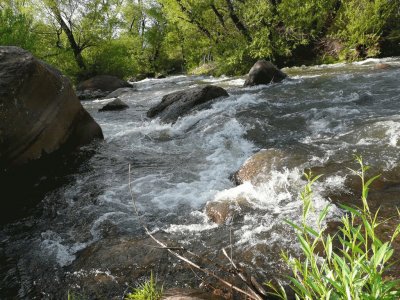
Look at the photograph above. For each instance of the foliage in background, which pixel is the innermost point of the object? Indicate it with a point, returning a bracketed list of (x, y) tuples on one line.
[(16, 29), (360, 26), (354, 270), (126, 38), (146, 291)]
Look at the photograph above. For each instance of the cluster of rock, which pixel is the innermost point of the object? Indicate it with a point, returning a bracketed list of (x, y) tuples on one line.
[(174, 105), (40, 113), (177, 104)]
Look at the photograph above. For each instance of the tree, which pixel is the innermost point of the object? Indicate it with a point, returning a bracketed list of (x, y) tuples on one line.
[(86, 23), (16, 26)]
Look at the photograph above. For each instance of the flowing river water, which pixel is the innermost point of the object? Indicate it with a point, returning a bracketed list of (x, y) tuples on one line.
[(84, 236)]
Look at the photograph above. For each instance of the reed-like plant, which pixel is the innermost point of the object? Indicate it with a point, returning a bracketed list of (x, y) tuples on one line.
[(355, 268), (146, 291)]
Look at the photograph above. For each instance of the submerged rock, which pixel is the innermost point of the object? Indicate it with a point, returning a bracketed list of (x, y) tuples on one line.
[(121, 91), (382, 66), (99, 86), (384, 191), (364, 99), (179, 103), (116, 104), (39, 111), (264, 72), (91, 94), (226, 210), (112, 265)]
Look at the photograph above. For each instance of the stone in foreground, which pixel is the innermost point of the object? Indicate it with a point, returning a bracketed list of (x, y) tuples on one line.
[(39, 111), (264, 72), (179, 103)]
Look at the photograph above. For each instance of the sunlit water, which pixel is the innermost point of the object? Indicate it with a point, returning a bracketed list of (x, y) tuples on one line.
[(321, 114)]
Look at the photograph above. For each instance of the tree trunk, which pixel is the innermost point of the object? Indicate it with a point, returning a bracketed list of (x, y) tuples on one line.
[(71, 39), (218, 14), (238, 24)]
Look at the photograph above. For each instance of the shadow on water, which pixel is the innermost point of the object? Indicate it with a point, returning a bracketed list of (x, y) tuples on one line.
[(23, 188)]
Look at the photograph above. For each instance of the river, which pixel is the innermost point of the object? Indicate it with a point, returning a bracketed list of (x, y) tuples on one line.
[(84, 236)]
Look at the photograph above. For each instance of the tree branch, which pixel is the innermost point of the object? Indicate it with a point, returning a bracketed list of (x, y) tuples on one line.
[(252, 295)]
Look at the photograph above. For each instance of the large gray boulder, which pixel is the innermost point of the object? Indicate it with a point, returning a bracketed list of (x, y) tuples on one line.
[(179, 103), (264, 72), (100, 86), (39, 111)]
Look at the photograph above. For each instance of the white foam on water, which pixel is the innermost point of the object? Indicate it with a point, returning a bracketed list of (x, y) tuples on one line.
[(93, 272), (328, 120), (224, 151), (380, 133), (143, 128), (273, 201), (53, 245), (190, 228), (103, 100), (306, 76), (111, 217), (393, 133), (219, 150), (235, 82), (213, 79), (370, 61), (318, 67)]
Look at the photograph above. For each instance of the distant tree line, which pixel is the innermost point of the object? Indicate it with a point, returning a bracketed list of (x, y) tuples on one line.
[(130, 37)]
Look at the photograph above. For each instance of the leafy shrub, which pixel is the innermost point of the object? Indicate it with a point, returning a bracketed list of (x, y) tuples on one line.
[(16, 29), (113, 57), (360, 25), (353, 271)]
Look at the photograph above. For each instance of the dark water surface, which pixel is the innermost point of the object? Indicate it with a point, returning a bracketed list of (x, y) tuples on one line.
[(84, 236)]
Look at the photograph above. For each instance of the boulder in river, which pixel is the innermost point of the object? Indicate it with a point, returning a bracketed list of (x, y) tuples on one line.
[(179, 103), (264, 72), (39, 111), (99, 86), (260, 165), (116, 104)]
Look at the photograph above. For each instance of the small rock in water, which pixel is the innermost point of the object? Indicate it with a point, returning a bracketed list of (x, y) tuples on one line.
[(226, 210), (120, 91), (116, 104), (382, 66)]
